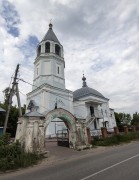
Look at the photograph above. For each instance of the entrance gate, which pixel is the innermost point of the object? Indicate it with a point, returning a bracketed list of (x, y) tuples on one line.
[(63, 138), (32, 126)]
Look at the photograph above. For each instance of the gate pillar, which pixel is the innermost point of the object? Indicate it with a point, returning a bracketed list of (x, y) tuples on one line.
[(88, 135), (30, 132)]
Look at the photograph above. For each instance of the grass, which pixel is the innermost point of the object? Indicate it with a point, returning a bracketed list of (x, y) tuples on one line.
[(12, 156)]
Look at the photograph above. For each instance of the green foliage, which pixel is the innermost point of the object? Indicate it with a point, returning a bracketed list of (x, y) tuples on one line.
[(4, 140), (13, 118), (135, 120), (6, 94), (12, 155), (116, 139), (122, 119)]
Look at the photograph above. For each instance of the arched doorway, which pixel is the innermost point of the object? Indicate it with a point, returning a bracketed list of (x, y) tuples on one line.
[(70, 122), (32, 126)]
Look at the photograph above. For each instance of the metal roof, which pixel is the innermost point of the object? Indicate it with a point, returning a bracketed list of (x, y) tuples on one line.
[(86, 91), (50, 35), (34, 114), (2, 110)]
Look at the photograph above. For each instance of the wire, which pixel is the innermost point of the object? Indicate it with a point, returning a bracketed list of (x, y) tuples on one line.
[(46, 91), (39, 105), (46, 108), (25, 96), (59, 96), (22, 93)]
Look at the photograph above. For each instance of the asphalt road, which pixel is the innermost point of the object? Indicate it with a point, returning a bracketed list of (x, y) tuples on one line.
[(118, 163)]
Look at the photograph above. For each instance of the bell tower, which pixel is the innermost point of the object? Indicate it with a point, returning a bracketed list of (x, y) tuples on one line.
[(49, 63), (48, 90)]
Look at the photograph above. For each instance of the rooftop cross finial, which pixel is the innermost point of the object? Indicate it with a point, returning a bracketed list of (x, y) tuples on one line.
[(50, 24), (84, 81)]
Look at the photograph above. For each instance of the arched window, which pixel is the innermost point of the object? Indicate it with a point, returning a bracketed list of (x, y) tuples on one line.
[(58, 70), (57, 49), (47, 47), (39, 50)]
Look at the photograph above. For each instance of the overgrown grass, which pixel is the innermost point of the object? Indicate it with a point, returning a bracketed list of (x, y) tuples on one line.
[(12, 156), (116, 139)]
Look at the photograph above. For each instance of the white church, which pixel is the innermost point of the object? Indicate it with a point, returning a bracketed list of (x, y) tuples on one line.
[(49, 92)]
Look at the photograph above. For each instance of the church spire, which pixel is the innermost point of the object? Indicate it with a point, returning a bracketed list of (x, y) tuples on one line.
[(50, 35), (84, 81), (50, 26)]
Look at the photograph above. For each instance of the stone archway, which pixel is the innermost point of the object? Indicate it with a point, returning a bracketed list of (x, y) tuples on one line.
[(31, 130), (69, 120)]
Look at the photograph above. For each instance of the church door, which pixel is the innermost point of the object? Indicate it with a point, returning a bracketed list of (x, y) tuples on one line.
[(91, 110)]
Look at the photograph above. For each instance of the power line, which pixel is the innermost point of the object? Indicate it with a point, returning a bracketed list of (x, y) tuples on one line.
[(39, 105), (22, 93), (46, 91), (45, 107), (47, 99), (59, 95)]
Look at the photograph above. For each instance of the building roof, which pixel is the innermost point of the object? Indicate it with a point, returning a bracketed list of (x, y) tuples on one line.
[(50, 35), (86, 91), (34, 114), (2, 110)]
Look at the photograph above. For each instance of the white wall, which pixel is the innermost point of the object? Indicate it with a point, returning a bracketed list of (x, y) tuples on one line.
[(47, 96), (82, 111)]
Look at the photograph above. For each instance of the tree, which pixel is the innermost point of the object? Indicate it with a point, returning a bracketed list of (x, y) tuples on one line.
[(126, 119), (122, 119), (13, 118), (6, 94), (135, 120), (118, 119)]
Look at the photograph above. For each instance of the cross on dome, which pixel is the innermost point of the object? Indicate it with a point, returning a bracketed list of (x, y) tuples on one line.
[(50, 25), (84, 81)]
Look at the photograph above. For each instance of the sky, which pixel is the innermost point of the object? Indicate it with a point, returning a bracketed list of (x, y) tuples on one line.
[(100, 39)]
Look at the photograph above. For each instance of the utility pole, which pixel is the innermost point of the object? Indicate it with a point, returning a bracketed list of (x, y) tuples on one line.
[(13, 89), (18, 100)]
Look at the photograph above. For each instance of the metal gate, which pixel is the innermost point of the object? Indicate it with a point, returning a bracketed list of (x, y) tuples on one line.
[(63, 138)]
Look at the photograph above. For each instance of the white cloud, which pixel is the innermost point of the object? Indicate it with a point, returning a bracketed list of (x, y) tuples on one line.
[(99, 38)]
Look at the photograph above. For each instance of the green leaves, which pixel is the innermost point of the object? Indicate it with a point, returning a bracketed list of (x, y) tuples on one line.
[(13, 118), (116, 139), (12, 156), (123, 119), (135, 120)]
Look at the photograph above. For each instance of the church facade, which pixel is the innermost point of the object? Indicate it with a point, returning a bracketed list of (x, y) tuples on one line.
[(49, 92)]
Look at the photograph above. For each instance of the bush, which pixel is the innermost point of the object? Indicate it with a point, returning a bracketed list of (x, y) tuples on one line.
[(5, 139), (116, 139), (12, 156)]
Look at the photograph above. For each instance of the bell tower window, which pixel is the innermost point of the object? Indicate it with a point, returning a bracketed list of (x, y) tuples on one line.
[(58, 70), (37, 71), (39, 50), (57, 49), (47, 47)]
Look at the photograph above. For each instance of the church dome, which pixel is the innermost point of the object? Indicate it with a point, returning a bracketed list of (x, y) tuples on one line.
[(86, 91)]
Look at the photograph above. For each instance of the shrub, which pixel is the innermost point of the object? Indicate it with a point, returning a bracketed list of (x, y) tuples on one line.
[(5, 139), (116, 139), (12, 156)]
